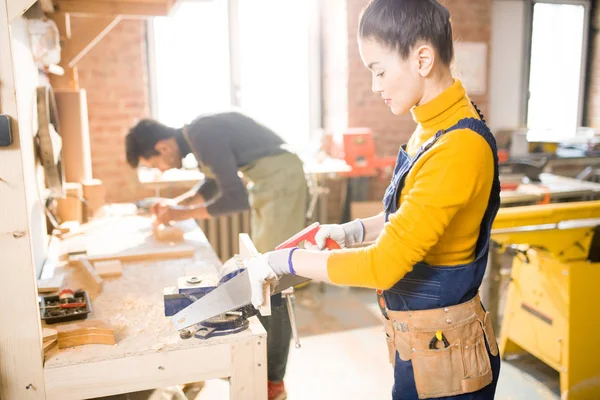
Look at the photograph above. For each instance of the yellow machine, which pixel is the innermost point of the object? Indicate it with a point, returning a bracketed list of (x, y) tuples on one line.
[(553, 307)]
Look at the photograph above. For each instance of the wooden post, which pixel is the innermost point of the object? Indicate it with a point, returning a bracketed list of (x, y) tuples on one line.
[(21, 353)]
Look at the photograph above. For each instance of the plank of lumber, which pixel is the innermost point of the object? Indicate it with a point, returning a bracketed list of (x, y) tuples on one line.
[(49, 334), (131, 239), (49, 345), (108, 268), (74, 130), (146, 254), (247, 251), (16, 8), (116, 7), (50, 285), (94, 193), (94, 280), (20, 207), (86, 332), (168, 233), (69, 209)]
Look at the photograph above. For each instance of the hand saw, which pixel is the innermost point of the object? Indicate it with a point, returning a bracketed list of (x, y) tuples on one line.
[(236, 292)]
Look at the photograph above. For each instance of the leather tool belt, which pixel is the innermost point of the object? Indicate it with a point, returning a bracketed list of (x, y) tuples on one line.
[(447, 347)]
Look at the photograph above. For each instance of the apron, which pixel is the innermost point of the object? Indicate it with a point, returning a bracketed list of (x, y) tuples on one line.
[(277, 192), (429, 287)]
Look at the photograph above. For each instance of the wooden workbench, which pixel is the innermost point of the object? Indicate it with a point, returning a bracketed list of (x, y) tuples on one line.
[(149, 352)]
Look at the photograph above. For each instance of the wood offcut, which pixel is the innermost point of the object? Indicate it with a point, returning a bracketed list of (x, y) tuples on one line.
[(86, 332), (93, 278), (109, 268), (168, 233)]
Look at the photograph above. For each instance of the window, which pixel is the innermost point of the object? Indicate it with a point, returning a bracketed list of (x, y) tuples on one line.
[(556, 74), (261, 56), (190, 54)]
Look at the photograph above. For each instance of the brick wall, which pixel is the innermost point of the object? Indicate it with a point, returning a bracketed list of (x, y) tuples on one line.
[(471, 22), (114, 74)]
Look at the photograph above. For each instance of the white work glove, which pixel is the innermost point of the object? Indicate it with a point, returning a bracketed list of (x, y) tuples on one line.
[(346, 235), (266, 269)]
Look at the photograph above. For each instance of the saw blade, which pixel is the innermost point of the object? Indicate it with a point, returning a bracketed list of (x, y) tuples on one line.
[(231, 295)]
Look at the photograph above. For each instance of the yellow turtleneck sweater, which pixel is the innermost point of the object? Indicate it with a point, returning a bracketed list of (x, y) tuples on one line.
[(441, 205)]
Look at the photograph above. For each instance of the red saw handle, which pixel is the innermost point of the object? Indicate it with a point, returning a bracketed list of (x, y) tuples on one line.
[(309, 235)]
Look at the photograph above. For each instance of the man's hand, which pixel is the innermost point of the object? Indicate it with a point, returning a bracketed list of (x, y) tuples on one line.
[(166, 214), (160, 204)]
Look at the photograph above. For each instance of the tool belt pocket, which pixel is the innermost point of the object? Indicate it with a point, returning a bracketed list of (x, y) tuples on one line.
[(451, 361), (397, 340)]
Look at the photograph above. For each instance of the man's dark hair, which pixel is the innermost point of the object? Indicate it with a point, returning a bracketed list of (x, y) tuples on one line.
[(142, 138), (401, 24)]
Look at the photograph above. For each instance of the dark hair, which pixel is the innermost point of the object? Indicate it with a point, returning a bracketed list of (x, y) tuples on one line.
[(142, 138), (401, 24)]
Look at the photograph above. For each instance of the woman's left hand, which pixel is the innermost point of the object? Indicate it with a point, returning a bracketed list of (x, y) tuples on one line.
[(266, 269)]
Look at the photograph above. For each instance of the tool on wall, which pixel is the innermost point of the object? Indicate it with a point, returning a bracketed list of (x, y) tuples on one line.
[(49, 142), (232, 295)]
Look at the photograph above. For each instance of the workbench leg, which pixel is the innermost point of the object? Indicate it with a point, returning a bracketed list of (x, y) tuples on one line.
[(249, 376)]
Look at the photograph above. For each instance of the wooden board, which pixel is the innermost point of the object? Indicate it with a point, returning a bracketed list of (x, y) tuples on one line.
[(168, 233), (87, 332), (127, 239), (93, 281), (94, 193), (129, 8), (49, 345), (131, 374), (247, 251), (50, 285), (49, 334), (74, 129), (109, 268), (69, 209), (16, 8), (20, 336)]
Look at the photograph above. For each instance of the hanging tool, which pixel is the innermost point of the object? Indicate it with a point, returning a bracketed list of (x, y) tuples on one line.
[(236, 292)]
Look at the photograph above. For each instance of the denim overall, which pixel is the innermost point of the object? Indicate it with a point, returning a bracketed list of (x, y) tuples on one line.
[(429, 287)]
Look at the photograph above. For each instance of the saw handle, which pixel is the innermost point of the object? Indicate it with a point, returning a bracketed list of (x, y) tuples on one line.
[(308, 234), (331, 244)]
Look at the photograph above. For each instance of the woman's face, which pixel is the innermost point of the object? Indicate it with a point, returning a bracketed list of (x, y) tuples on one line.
[(400, 82)]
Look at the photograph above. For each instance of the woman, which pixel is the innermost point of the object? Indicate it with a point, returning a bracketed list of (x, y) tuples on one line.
[(431, 241)]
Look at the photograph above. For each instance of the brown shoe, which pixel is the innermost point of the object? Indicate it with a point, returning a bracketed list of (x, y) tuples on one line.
[(276, 391)]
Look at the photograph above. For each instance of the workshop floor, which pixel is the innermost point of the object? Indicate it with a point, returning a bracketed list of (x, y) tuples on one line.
[(344, 356)]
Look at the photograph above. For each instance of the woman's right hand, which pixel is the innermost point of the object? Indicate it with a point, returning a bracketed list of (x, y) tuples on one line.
[(346, 235)]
